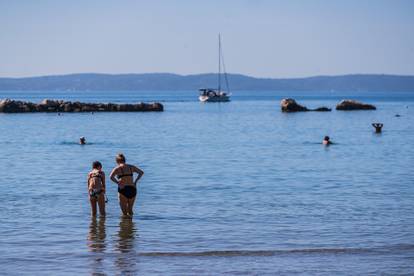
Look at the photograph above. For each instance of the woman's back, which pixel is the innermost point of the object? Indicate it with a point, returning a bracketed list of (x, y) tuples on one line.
[(124, 173), (96, 180)]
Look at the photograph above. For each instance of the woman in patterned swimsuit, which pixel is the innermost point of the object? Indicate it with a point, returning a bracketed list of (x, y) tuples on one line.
[(96, 188)]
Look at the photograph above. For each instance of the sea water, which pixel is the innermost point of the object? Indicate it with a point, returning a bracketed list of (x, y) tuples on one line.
[(229, 188)]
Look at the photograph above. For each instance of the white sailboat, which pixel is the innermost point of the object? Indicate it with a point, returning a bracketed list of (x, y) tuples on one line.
[(217, 95)]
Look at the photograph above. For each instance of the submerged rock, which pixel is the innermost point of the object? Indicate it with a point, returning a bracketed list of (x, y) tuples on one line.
[(290, 105), (12, 106), (354, 105), (322, 109)]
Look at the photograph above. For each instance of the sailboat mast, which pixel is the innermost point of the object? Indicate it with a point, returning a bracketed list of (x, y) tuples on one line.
[(219, 64)]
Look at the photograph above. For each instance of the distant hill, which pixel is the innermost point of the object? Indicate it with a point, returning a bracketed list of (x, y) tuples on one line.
[(165, 81)]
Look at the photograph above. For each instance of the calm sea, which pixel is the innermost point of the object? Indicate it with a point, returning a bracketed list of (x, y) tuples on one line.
[(232, 188)]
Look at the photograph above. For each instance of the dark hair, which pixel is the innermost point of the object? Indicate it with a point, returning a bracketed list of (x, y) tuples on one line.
[(96, 165), (326, 138), (120, 158)]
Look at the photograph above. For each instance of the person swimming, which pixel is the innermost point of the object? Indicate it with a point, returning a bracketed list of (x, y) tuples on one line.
[(378, 127), (82, 140), (96, 188), (326, 141), (123, 176)]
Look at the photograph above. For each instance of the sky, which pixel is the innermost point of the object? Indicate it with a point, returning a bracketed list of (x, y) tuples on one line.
[(261, 38)]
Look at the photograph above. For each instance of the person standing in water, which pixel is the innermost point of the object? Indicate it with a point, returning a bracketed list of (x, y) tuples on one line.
[(96, 188), (378, 127), (123, 175)]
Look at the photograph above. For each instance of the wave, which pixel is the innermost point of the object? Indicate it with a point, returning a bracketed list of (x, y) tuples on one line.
[(76, 143), (151, 217), (264, 253)]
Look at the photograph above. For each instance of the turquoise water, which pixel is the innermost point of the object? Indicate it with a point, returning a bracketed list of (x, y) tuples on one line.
[(234, 188)]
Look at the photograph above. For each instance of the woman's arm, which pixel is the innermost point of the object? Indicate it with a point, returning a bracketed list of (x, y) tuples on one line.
[(113, 174), (139, 172)]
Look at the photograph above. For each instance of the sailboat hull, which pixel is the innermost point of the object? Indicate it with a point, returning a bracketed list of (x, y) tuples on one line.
[(214, 99)]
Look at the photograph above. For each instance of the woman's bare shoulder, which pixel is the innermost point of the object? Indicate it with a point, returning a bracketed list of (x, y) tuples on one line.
[(135, 168), (115, 170)]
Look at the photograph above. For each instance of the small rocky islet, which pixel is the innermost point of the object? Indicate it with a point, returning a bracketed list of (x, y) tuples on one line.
[(290, 105), (348, 105), (13, 106)]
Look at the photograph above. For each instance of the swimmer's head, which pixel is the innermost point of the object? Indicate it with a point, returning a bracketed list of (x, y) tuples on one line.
[(120, 158), (96, 165), (82, 140), (326, 138)]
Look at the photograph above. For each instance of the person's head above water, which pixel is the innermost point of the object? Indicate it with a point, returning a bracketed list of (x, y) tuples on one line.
[(326, 140), (120, 159), (82, 140), (96, 165)]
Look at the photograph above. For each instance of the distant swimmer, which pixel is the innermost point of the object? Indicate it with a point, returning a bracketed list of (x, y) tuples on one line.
[(82, 141), (378, 127), (96, 188), (123, 175), (326, 141)]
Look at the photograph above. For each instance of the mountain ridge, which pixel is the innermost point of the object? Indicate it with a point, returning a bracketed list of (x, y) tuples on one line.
[(171, 81)]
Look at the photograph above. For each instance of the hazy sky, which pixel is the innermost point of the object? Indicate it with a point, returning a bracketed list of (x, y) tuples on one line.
[(262, 38)]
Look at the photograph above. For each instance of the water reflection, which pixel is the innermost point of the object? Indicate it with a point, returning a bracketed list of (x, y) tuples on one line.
[(96, 243), (125, 245), (97, 235)]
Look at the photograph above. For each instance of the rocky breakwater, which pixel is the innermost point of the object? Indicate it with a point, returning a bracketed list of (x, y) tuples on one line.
[(354, 105), (12, 106), (290, 105)]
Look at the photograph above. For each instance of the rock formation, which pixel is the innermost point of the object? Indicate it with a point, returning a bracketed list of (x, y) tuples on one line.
[(290, 105), (12, 106), (354, 105)]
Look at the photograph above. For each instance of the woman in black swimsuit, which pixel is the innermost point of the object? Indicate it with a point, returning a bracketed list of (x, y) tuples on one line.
[(123, 175)]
